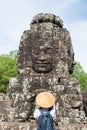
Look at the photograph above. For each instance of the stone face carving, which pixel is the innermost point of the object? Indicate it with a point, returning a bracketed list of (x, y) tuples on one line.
[(42, 57), (45, 63), (46, 35)]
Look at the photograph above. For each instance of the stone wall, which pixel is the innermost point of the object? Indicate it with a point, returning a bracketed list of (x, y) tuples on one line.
[(28, 126)]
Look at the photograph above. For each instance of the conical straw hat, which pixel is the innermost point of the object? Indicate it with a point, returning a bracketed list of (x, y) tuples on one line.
[(45, 100)]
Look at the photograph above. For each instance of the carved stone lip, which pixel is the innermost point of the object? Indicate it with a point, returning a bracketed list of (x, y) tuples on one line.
[(42, 64)]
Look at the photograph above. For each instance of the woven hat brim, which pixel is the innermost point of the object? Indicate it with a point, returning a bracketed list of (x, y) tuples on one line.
[(45, 100)]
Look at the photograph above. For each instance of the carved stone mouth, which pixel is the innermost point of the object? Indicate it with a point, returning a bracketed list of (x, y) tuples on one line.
[(42, 63)]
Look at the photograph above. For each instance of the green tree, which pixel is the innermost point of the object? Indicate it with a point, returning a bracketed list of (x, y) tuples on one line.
[(13, 54), (80, 75), (8, 69)]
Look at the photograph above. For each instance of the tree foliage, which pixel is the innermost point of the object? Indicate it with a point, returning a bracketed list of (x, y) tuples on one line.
[(80, 75), (8, 69)]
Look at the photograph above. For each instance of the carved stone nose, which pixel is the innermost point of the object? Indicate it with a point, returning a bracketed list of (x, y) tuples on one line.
[(42, 56)]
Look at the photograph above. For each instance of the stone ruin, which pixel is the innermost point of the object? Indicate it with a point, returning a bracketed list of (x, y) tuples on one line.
[(84, 95), (45, 63)]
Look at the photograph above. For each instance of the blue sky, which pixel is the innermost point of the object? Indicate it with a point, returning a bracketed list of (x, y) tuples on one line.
[(15, 17)]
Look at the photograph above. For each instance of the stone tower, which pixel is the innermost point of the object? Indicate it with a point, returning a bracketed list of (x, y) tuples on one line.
[(45, 63)]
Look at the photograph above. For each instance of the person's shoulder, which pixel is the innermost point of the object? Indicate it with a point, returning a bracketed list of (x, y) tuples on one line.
[(36, 113), (37, 110)]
